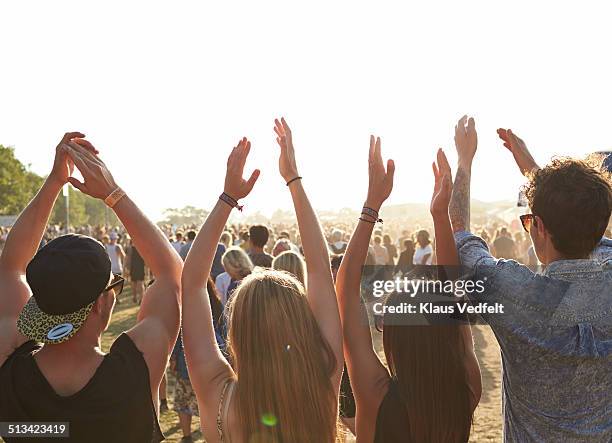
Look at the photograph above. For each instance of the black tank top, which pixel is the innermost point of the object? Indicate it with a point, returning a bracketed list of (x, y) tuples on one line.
[(392, 421), (114, 406)]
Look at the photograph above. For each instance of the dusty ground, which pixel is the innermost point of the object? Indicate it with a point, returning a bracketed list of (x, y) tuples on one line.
[(487, 420)]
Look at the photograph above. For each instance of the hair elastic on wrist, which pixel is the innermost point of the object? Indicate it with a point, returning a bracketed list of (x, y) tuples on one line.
[(230, 201), (293, 179)]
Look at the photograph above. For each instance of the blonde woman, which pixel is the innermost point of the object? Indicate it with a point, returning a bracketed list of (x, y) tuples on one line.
[(292, 263), (285, 344), (237, 265)]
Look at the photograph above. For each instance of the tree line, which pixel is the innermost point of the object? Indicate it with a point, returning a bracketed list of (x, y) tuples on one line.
[(18, 184)]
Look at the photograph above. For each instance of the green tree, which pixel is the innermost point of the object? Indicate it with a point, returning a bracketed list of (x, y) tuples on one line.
[(78, 215), (17, 183), (83, 210)]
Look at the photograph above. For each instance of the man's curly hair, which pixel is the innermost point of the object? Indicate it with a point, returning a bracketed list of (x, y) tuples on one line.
[(574, 200)]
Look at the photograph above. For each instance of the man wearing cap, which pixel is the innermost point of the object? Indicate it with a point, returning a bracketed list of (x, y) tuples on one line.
[(56, 303)]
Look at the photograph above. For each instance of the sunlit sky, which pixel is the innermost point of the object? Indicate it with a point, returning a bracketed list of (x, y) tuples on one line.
[(165, 89)]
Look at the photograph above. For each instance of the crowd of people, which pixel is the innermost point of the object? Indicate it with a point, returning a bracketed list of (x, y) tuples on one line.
[(263, 327)]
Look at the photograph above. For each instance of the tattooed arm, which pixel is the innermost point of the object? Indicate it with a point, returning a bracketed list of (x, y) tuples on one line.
[(466, 141), (459, 208)]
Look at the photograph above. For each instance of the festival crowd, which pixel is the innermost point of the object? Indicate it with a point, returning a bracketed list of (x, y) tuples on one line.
[(261, 328)]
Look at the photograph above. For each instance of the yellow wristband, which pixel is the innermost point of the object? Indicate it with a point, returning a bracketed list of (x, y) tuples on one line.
[(114, 197)]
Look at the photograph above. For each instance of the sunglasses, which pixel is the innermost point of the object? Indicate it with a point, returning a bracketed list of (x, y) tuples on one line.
[(527, 220), (116, 284)]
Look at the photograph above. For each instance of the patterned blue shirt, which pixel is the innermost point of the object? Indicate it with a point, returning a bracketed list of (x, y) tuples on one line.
[(556, 342)]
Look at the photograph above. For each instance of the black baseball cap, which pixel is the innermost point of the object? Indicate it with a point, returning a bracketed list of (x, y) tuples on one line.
[(66, 277)]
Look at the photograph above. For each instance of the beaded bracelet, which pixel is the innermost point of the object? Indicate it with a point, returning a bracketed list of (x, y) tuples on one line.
[(366, 220)]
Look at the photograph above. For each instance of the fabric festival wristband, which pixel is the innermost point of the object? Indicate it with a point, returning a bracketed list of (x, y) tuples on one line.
[(230, 201), (114, 197)]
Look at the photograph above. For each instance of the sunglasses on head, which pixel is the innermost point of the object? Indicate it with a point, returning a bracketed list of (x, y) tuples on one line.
[(527, 220), (116, 284)]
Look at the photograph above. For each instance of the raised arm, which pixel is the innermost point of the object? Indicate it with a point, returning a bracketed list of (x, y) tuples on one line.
[(320, 283), (159, 315), (21, 245), (446, 252), (466, 142), (368, 375), (208, 368)]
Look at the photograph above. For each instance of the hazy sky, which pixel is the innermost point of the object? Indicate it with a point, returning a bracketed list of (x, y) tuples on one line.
[(165, 89)]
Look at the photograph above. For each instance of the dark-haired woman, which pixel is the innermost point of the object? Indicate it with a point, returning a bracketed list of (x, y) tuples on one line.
[(432, 384)]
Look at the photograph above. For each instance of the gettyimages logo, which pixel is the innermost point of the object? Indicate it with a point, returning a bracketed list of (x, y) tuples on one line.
[(422, 295)]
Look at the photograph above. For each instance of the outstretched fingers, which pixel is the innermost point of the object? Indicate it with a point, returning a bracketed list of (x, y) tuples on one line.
[(443, 164), (84, 152), (87, 145), (508, 138), (252, 180), (70, 135), (278, 128), (471, 125), (286, 128), (436, 172), (281, 138), (460, 127), (378, 153), (79, 160), (390, 171), (371, 151)]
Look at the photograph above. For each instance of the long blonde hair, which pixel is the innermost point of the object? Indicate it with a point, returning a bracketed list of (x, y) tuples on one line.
[(292, 263), (283, 363)]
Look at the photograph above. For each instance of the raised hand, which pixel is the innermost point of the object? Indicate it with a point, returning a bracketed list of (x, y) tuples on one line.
[(380, 182), (236, 186), (443, 186), (98, 182), (63, 165), (519, 150), (466, 139), (286, 161)]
